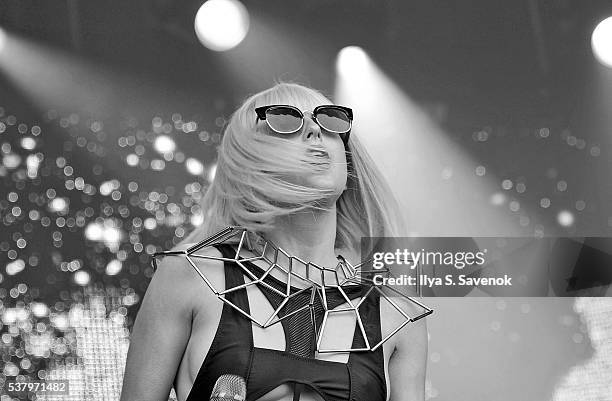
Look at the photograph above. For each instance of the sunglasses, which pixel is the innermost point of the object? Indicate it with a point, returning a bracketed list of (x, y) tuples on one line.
[(284, 119)]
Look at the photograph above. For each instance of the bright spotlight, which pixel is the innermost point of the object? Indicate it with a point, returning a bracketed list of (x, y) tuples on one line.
[(352, 61), (397, 131), (221, 24), (601, 41)]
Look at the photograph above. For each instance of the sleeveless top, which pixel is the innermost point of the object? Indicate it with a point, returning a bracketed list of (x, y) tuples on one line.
[(232, 351)]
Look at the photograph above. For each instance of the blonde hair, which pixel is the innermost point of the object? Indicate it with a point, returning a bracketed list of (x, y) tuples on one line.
[(251, 189)]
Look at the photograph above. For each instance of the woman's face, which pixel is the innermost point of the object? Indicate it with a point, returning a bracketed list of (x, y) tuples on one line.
[(328, 150)]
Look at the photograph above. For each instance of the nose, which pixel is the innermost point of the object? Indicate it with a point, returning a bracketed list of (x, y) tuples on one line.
[(311, 130)]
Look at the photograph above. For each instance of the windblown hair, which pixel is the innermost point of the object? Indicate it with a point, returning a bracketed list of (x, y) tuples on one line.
[(255, 180)]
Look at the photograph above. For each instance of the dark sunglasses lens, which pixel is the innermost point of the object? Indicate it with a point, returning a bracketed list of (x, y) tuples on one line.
[(334, 120), (284, 119)]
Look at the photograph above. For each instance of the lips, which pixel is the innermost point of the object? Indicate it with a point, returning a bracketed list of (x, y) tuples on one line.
[(319, 153)]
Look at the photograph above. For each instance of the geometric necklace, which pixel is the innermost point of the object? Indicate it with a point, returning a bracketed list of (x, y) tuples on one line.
[(316, 283)]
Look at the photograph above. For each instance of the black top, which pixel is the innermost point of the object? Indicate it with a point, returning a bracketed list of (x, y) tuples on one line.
[(232, 350)]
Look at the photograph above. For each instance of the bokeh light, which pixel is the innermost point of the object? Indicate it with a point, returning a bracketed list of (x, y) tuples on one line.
[(113, 267), (82, 278), (58, 205), (194, 166), (565, 218), (15, 267), (164, 144)]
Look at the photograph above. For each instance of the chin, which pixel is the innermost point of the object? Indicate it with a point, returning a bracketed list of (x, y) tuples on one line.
[(327, 183)]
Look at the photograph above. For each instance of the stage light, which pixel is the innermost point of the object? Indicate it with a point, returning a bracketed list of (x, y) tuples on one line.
[(352, 61), (601, 42), (221, 24), (412, 150)]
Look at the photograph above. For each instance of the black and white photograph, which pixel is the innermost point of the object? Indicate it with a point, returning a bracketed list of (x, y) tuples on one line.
[(306, 200)]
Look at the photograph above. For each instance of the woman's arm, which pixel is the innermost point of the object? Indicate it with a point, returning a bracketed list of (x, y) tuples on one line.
[(160, 333), (408, 362)]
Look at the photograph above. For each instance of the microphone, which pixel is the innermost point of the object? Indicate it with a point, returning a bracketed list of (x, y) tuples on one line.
[(229, 387)]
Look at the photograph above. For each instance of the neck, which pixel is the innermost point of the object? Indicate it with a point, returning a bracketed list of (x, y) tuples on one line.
[(309, 235)]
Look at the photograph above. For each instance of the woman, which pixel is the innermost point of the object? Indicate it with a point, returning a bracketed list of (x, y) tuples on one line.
[(302, 182)]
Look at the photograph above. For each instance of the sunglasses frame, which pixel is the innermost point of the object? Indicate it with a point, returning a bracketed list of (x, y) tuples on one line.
[(261, 115)]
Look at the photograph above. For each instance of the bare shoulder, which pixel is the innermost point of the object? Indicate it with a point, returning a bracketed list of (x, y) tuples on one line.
[(408, 361), (182, 281), (415, 332), (406, 299)]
